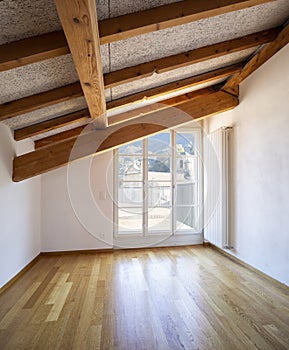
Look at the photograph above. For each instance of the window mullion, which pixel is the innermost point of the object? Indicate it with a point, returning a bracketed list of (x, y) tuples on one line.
[(173, 169), (115, 191), (145, 187)]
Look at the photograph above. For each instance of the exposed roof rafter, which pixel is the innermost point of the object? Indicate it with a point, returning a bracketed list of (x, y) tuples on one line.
[(31, 50), (38, 101), (64, 135), (71, 91), (54, 156), (258, 60), (51, 124), (82, 36), (176, 86), (173, 102), (45, 99), (50, 45), (135, 113), (79, 22), (184, 59), (166, 16)]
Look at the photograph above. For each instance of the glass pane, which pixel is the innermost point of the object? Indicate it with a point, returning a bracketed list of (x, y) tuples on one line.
[(130, 168), (186, 168), (129, 220), (159, 194), (130, 194), (159, 144), (159, 219), (132, 148), (185, 143), (159, 168), (186, 193), (185, 218)]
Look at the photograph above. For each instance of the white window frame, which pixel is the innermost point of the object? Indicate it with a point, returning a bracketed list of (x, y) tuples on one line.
[(199, 214)]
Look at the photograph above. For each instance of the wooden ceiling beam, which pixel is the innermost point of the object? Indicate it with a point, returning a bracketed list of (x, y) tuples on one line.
[(71, 91), (28, 104), (64, 135), (51, 124), (38, 48), (31, 50), (184, 59), (119, 77), (96, 141), (196, 109), (135, 113), (79, 22), (48, 98), (258, 60), (166, 16), (38, 101), (173, 102), (176, 86)]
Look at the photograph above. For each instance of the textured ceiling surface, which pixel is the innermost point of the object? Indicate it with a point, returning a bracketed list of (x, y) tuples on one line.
[(130, 88), (137, 105), (47, 113), (26, 18), (41, 76), (37, 77), (118, 8), (197, 34), (180, 73)]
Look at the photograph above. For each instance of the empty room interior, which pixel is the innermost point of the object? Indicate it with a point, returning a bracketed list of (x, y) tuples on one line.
[(144, 174)]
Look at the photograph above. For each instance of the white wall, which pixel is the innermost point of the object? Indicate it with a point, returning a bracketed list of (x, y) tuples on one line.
[(77, 209), (19, 213), (260, 198)]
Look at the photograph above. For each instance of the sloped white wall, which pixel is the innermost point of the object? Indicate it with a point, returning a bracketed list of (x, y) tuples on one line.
[(77, 208), (19, 213), (260, 192)]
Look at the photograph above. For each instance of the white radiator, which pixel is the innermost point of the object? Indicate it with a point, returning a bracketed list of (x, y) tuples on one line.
[(217, 188)]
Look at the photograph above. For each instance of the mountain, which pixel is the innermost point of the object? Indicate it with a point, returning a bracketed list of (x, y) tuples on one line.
[(159, 144)]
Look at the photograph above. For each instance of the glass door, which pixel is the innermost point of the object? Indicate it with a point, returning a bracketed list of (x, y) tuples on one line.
[(186, 182), (129, 194), (158, 188), (159, 183)]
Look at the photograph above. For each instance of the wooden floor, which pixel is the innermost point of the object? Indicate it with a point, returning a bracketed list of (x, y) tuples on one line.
[(171, 298)]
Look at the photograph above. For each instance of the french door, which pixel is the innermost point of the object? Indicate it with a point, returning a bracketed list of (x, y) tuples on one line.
[(158, 185)]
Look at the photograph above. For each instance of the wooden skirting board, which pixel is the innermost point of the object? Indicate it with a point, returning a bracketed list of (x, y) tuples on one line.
[(70, 252), (248, 266), (19, 274)]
